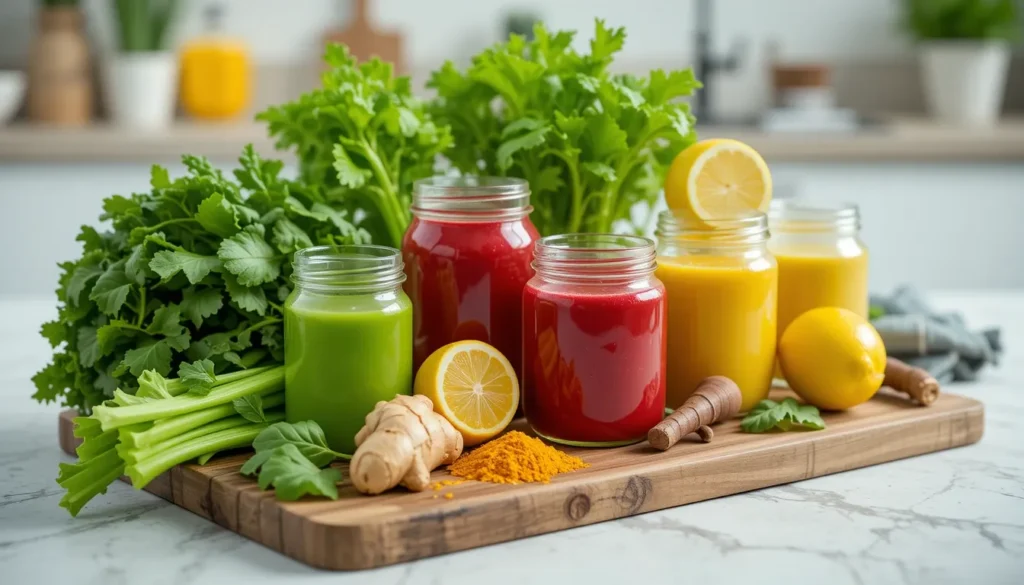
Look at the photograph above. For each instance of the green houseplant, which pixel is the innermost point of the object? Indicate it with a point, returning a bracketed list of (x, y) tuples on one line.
[(965, 51), (142, 72)]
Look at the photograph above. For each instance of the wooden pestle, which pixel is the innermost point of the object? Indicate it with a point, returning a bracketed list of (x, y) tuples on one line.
[(715, 398), (911, 380)]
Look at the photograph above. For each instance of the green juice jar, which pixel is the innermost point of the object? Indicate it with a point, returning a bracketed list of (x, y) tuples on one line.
[(348, 337)]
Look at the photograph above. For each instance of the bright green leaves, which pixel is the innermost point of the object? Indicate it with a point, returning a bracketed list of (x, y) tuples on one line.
[(290, 238), (294, 476), (218, 216), (198, 376), (591, 144), (250, 258), (195, 266), (363, 138), (250, 408), (111, 289), (199, 304), (151, 355), (786, 415), (245, 298), (289, 457)]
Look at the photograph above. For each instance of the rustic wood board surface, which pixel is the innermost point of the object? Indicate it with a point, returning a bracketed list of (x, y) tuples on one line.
[(360, 532)]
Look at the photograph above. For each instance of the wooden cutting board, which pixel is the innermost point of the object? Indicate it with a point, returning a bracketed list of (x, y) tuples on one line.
[(365, 41), (361, 532)]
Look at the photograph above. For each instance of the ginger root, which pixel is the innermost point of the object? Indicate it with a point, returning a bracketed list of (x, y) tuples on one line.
[(402, 441)]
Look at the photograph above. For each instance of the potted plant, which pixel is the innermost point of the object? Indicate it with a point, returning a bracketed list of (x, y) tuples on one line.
[(142, 73), (60, 88), (965, 52)]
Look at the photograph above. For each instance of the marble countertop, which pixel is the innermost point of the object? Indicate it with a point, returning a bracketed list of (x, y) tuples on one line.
[(950, 517)]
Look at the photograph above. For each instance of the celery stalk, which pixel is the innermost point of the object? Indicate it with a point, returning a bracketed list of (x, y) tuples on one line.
[(131, 455), (145, 471), (263, 383), (94, 446), (166, 428)]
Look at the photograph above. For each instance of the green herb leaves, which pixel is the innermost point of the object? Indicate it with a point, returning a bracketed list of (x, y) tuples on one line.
[(363, 138), (289, 456), (190, 270), (590, 143), (787, 415)]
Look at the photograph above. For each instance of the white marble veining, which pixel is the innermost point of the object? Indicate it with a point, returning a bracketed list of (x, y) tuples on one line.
[(950, 517)]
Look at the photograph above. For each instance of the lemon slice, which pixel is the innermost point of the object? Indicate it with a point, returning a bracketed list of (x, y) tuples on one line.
[(718, 179), (473, 386)]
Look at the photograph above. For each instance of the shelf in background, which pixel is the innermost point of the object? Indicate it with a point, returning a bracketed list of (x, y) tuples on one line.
[(894, 140), (23, 142)]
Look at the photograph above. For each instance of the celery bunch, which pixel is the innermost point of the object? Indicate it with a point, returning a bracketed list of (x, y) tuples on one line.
[(167, 422)]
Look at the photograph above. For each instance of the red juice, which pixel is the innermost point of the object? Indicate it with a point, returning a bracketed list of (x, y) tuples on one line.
[(466, 270), (594, 361)]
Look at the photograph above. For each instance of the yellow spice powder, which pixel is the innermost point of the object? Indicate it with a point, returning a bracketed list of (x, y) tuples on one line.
[(514, 458)]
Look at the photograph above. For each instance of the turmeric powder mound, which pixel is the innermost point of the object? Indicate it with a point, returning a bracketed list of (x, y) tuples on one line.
[(514, 458)]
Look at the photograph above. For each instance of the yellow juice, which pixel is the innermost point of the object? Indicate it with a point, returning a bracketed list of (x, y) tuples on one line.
[(807, 282), (721, 321)]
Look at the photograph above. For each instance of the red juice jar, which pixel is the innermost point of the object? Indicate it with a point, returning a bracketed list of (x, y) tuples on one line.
[(594, 340), (468, 254)]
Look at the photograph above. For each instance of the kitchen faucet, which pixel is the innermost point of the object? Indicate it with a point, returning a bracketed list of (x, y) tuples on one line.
[(706, 64)]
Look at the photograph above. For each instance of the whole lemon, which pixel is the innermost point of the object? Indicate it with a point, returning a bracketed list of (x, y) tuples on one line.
[(832, 357)]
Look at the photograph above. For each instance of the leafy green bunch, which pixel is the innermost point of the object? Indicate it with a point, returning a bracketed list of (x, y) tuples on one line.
[(192, 271), (962, 19), (363, 138), (591, 144)]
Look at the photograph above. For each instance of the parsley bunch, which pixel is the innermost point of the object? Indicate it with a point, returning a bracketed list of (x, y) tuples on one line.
[(363, 138), (189, 277), (590, 143)]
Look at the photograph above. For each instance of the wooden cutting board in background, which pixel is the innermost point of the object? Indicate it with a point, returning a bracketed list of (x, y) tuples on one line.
[(361, 532), (364, 40)]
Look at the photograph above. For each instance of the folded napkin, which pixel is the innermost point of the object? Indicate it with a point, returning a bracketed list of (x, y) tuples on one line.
[(938, 342)]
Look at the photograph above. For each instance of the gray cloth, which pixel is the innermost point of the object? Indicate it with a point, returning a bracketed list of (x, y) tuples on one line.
[(938, 342)]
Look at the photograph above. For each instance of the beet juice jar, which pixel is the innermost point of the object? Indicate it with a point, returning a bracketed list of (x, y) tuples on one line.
[(468, 255), (594, 340)]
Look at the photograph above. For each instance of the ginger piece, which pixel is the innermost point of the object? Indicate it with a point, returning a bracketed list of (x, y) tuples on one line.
[(915, 382), (716, 398), (402, 441)]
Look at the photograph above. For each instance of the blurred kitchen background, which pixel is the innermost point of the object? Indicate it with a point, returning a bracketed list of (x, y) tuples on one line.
[(831, 92)]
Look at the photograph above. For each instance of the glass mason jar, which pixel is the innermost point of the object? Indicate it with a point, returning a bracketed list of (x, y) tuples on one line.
[(347, 337), (722, 286), (467, 254), (594, 340), (822, 262)]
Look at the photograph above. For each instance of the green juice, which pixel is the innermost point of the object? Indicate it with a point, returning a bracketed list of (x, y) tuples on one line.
[(343, 354)]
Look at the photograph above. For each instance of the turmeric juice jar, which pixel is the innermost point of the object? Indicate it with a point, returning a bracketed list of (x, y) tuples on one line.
[(822, 261), (722, 286)]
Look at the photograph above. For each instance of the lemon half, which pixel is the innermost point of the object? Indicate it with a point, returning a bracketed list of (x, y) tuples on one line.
[(718, 179), (473, 386)]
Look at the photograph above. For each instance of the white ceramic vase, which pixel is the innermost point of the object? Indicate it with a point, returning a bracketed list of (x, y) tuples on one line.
[(141, 89), (964, 81)]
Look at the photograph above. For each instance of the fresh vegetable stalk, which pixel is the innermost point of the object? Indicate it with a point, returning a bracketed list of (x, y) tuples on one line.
[(591, 144), (195, 415)]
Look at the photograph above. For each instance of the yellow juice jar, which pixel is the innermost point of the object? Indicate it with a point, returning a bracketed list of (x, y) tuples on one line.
[(822, 262), (722, 284)]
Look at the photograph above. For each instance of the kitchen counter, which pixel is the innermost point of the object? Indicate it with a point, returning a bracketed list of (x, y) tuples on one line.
[(896, 139), (950, 517)]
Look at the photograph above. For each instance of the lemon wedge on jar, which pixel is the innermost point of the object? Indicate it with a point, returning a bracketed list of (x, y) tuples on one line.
[(473, 386), (832, 357), (718, 179)]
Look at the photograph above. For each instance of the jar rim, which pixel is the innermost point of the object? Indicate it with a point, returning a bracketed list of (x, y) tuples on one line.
[(809, 216), (594, 257), (471, 198), (750, 227), (348, 268)]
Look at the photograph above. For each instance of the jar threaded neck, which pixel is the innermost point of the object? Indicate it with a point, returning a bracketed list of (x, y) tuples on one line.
[(794, 217), (348, 269), (743, 230), (594, 258), (471, 198)]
